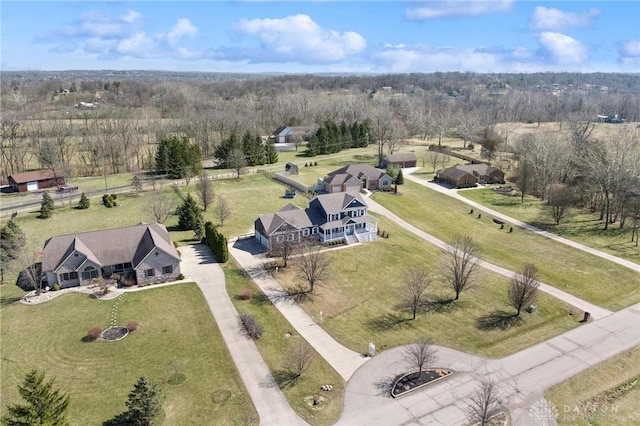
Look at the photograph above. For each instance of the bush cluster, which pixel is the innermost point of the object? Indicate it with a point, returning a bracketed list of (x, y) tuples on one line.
[(94, 332), (132, 325), (109, 200), (253, 329), (216, 241), (244, 294)]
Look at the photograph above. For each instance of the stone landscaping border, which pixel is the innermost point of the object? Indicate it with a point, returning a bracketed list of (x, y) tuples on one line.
[(448, 373)]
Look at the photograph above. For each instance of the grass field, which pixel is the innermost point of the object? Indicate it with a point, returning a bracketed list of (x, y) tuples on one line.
[(579, 224), (359, 302), (273, 347), (586, 276), (594, 388), (177, 334)]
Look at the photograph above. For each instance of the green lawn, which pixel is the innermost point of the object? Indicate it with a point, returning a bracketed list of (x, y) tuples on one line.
[(579, 224), (594, 386), (586, 276), (359, 302), (177, 334), (273, 347)]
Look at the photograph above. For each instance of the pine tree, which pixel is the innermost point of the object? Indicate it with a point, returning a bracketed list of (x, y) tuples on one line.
[(144, 403), (44, 404), (270, 152), (84, 202), (399, 178), (12, 240), (189, 214), (46, 207)]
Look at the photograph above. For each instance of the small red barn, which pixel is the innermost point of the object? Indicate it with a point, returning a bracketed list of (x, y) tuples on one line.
[(35, 180)]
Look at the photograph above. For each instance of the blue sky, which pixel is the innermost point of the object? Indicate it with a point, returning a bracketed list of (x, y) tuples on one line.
[(322, 36)]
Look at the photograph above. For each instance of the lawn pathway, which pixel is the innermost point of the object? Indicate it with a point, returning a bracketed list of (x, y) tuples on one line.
[(503, 217), (594, 310), (198, 264)]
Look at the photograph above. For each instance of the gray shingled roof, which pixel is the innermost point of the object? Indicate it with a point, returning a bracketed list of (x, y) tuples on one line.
[(398, 157), (459, 170), (359, 171), (340, 178), (109, 246), (293, 215), (338, 201)]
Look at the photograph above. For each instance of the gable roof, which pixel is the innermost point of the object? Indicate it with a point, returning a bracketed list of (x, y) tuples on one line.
[(109, 246), (340, 178), (399, 157), (290, 214), (458, 170), (34, 175), (361, 171), (281, 130), (338, 201)]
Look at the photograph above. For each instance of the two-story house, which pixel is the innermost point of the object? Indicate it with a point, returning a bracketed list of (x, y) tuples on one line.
[(341, 216)]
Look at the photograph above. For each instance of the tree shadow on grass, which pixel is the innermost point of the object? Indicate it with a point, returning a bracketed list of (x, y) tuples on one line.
[(442, 304), (498, 320), (259, 299), (388, 321), (8, 300), (285, 379), (290, 295)]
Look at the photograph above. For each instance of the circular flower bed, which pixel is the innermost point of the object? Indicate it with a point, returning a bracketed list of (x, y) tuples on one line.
[(113, 334)]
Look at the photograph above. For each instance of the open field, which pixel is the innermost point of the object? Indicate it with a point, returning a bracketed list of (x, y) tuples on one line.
[(359, 302), (273, 346), (586, 276), (177, 334), (591, 388), (578, 224)]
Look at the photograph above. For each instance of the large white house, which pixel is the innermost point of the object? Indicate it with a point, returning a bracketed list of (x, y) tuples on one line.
[(339, 216)]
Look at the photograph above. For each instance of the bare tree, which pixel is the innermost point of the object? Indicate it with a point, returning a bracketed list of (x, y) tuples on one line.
[(314, 266), (236, 161), (460, 264), (484, 404), (205, 190), (223, 211), (299, 358), (560, 197), (159, 206), (420, 354), (284, 249), (434, 158), (524, 288), (415, 283), (30, 269)]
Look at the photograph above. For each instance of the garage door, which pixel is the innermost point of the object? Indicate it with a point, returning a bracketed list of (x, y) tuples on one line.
[(32, 186)]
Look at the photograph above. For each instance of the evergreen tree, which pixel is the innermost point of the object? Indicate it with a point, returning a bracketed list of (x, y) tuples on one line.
[(12, 240), (144, 403), (44, 404), (84, 202), (189, 214), (399, 178), (226, 148), (270, 152), (46, 207), (178, 157)]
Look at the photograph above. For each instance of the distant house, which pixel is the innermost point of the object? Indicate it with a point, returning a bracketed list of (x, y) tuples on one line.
[(355, 177), (610, 119), (35, 180), (286, 134), (142, 252), (469, 175), (293, 169), (86, 105), (402, 160), (329, 217)]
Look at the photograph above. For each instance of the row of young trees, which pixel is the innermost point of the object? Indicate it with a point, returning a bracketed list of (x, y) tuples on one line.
[(330, 138), (235, 153)]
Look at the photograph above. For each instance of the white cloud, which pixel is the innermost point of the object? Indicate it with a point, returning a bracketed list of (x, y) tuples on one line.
[(182, 28), (554, 19), (452, 8), (299, 37), (564, 49), (96, 24), (138, 45), (422, 58), (630, 49)]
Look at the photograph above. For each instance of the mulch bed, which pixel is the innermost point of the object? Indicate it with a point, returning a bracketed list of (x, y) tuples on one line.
[(113, 334), (413, 381)]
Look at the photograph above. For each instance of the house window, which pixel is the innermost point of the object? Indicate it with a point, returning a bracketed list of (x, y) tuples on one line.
[(167, 269), (68, 276), (89, 273), (290, 237), (315, 230), (305, 232), (121, 267), (149, 273), (279, 238)]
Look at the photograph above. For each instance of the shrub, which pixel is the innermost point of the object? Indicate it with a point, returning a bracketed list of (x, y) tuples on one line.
[(55, 287), (132, 325), (315, 163), (84, 202), (306, 165), (109, 200), (470, 146), (181, 276), (94, 332), (244, 294), (253, 329), (114, 196)]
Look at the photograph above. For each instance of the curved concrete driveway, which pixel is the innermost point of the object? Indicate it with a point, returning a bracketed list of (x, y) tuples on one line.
[(522, 377), (454, 194), (198, 264)]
